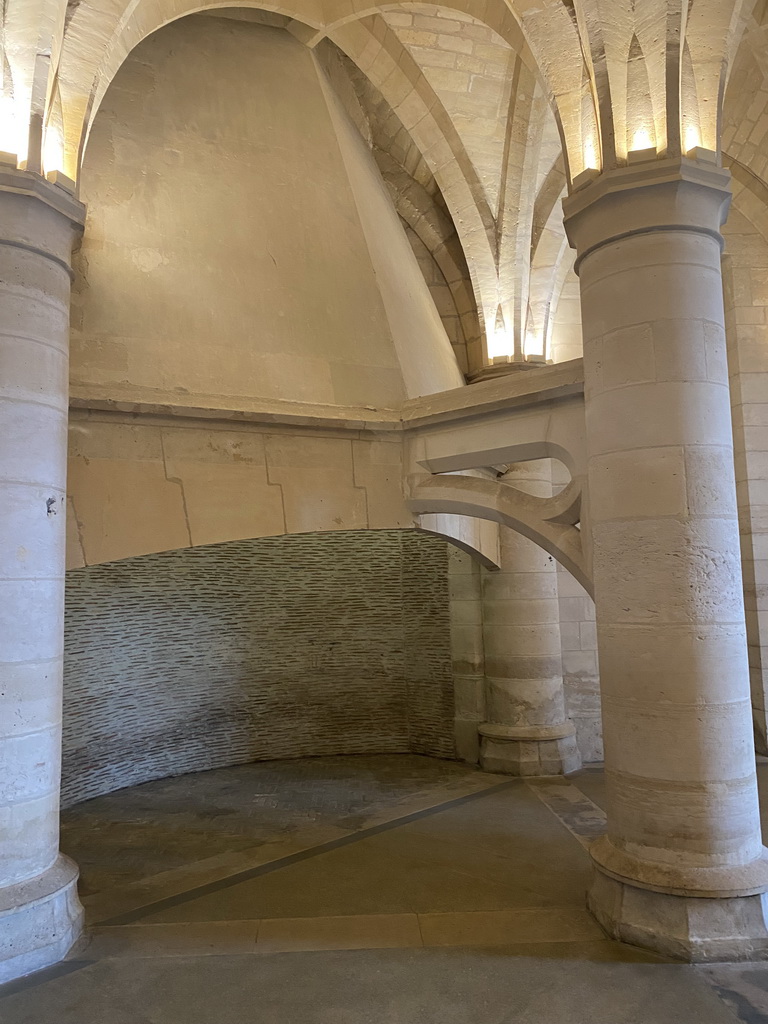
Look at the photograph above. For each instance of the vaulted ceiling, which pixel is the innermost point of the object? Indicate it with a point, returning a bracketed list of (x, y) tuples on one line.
[(490, 108)]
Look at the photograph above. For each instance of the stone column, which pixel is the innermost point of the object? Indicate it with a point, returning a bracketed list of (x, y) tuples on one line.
[(466, 610), (527, 731), (40, 915), (682, 868)]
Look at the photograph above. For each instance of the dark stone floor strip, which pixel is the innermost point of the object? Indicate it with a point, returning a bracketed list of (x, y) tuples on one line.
[(741, 1006), (41, 977), (130, 916)]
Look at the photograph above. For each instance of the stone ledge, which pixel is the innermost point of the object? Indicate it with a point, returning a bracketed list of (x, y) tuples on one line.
[(239, 410), (671, 878), (529, 758), (535, 386), (531, 733)]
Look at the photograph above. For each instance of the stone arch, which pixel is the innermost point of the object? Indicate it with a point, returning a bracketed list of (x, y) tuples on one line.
[(437, 234), (100, 37), (750, 194), (113, 33), (98, 40), (551, 257), (377, 52)]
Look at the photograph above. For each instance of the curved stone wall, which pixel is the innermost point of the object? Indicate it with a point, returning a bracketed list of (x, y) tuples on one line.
[(252, 650)]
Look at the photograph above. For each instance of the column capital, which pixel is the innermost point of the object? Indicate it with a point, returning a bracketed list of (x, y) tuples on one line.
[(677, 194), (35, 186), (39, 216)]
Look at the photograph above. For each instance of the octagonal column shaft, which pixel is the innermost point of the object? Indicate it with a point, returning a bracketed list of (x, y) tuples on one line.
[(682, 868), (527, 731), (40, 915)]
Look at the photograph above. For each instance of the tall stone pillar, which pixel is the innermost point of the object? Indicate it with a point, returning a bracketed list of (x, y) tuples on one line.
[(40, 915), (527, 731), (682, 868)]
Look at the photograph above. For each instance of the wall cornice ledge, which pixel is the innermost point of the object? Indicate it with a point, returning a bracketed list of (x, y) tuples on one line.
[(235, 410), (543, 384), (519, 390)]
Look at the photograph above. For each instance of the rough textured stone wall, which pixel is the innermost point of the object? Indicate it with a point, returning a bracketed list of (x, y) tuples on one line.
[(251, 650)]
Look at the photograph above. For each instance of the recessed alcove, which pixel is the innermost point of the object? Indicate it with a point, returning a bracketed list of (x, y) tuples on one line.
[(314, 644)]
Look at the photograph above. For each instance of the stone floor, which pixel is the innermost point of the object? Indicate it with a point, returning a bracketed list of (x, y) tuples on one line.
[(359, 890)]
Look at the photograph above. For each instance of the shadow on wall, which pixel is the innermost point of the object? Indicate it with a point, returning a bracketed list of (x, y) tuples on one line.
[(252, 650)]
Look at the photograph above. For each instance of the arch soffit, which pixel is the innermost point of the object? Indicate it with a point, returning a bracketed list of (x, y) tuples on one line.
[(379, 54), (100, 36), (377, 51), (750, 195)]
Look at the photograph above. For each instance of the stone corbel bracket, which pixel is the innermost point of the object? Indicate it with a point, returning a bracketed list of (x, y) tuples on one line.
[(456, 441)]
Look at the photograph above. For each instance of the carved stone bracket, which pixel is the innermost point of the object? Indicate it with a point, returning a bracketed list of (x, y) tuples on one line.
[(549, 522), (455, 443)]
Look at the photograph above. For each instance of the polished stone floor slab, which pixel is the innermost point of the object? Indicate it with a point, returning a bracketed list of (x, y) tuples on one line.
[(382, 986), (474, 857), (533, 926), (171, 823), (389, 890), (743, 987)]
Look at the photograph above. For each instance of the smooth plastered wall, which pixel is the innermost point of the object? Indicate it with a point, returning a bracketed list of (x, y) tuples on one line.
[(213, 264), (254, 650)]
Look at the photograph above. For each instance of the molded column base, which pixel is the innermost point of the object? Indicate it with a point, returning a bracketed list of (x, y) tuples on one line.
[(692, 928), (40, 920), (529, 751)]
